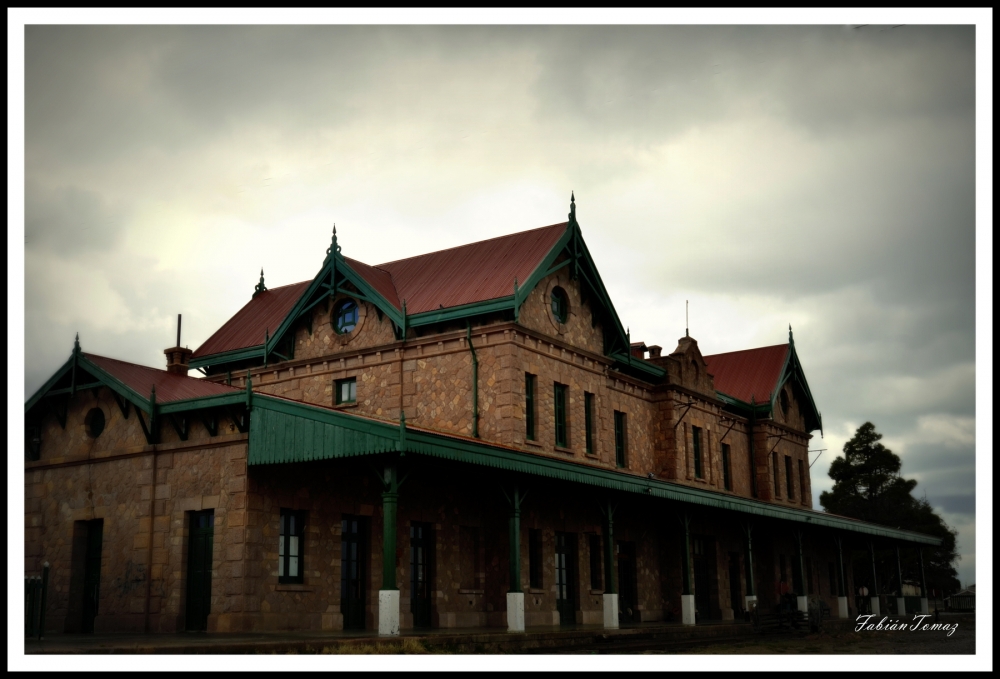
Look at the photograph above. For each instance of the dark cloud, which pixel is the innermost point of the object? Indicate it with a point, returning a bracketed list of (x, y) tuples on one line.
[(70, 220)]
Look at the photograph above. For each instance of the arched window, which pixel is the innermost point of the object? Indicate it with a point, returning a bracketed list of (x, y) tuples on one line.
[(95, 422), (345, 316), (560, 304), (784, 403)]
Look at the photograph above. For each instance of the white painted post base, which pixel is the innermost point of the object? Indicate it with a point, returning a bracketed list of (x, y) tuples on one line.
[(803, 603), (388, 612), (900, 606), (610, 611), (842, 607), (515, 611), (924, 606), (876, 610), (687, 609)]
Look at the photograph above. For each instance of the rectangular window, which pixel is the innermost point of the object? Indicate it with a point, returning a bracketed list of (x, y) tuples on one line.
[(696, 445), (535, 558), (291, 539), (470, 565), (621, 439), (774, 468), (588, 414), (347, 390), (596, 581), (789, 487), (802, 481), (726, 478), (562, 440), (529, 406)]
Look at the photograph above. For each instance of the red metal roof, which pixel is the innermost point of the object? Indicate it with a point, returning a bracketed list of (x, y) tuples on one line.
[(466, 274), (378, 279), (246, 329), (169, 387), (476, 272), (751, 373)]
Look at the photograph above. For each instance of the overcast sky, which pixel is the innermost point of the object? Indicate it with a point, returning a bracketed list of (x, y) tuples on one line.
[(822, 177)]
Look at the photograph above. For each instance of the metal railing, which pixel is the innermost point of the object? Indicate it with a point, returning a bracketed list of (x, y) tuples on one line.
[(35, 595)]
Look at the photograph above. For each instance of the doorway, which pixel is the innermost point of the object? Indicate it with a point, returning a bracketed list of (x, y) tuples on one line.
[(201, 537), (92, 573), (703, 549), (353, 570), (566, 578), (627, 589), (421, 578), (735, 600)]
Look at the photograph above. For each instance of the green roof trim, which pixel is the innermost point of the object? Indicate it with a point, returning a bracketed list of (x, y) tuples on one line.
[(283, 431)]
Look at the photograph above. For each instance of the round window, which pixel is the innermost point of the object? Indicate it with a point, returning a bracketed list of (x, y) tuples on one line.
[(560, 304), (95, 422), (345, 316)]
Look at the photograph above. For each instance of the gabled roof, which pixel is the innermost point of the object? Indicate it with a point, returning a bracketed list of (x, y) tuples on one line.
[(751, 374), (757, 376), (169, 386), (265, 311), (454, 284), (133, 383), (471, 273)]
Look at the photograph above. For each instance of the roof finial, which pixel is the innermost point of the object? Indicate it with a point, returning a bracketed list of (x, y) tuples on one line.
[(334, 248), (790, 340), (260, 287), (76, 344), (687, 324), (572, 207)]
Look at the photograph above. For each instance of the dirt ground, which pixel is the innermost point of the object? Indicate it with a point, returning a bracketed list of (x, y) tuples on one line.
[(962, 641)]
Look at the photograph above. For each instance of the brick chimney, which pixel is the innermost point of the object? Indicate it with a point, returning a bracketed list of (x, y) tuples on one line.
[(638, 349), (178, 357), (654, 350)]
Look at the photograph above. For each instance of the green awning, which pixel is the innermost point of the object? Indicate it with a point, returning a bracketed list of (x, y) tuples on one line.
[(283, 431)]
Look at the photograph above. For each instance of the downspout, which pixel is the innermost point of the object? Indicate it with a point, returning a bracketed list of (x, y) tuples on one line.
[(475, 381)]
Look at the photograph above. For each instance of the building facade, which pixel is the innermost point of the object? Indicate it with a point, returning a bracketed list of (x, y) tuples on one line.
[(466, 438)]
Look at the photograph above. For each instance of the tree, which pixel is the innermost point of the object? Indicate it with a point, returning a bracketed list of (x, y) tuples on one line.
[(868, 486)]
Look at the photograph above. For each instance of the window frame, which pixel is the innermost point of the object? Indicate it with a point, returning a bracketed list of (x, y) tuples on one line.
[(530, 407), (560, 399), (777, 483), (621, 439), (336, 315), (588, 420), (727, 479), (291, 524), (559, 304), (789, 481), (699, 472), (353, 381), (802, 482)]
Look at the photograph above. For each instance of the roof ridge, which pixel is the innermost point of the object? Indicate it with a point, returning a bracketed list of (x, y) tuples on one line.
[(465, 245), (159, 371), (740, 351)]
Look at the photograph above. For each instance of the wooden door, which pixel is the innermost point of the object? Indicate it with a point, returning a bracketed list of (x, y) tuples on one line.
[(92, 573), (353, 570), (566, 578), (201, 539), (627, 589), (421, 578)]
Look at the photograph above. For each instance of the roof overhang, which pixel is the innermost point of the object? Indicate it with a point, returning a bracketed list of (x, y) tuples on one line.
[(284, 431)]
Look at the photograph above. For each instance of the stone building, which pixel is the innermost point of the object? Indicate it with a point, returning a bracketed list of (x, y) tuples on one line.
[(464, 438)]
